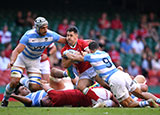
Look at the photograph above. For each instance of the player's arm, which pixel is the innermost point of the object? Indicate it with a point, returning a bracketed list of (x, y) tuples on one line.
[(102, 82), (20, 47), (75, 57), (62, 40), (45, 86), (22, 99), (52, 50)]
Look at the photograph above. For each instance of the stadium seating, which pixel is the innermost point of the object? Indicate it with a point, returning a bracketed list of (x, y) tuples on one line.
[(85, 21)]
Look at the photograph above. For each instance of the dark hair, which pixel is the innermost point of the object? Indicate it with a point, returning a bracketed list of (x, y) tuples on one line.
[(93, 45), (73, 29)]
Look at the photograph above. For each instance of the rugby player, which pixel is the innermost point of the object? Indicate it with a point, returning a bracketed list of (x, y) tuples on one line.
[(120, 83), (27, 55), (86, 71)]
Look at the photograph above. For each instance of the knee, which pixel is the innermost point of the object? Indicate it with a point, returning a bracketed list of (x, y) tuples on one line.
[(34, 87), (14, 82)]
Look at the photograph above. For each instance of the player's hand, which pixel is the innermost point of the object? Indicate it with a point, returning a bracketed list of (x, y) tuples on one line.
[(83, 53), (45, 85), (10, 65)]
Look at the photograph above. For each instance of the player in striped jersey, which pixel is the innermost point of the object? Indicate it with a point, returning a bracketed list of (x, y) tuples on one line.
[(120, 83), (27, 56), (24, 95)]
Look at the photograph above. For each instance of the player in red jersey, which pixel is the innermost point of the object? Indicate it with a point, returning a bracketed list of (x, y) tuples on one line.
[(76, 98), (87, 73), (52, 98)]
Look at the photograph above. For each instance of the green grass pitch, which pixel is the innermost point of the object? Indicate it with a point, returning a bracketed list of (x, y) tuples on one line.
[(16, 108)]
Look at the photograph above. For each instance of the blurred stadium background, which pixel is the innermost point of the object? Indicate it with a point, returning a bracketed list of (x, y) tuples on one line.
[(86, 14)]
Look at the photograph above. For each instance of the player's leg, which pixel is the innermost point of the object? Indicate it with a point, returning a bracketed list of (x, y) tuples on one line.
[(16, 73), (129, 102), (83, 86), (130, 85), (108, 99), (45, 70), (150, 95), (85, 80), (145, 95), (34, 74), (34, 81)]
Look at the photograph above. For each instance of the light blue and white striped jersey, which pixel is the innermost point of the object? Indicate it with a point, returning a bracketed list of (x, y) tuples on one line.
[(102, 63), (35, 44), (36, 97)]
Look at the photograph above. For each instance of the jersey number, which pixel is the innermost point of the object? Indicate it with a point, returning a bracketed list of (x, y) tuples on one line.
[(107, 62)]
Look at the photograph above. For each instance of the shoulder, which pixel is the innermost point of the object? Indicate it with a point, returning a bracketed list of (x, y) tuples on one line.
[(30, 32), (50, 31), (81, 41)]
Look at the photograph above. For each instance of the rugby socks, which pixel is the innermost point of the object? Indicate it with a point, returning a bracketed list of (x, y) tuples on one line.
[(158, 100), (143, 103), (25, 81), (8, 92), (90, 93)]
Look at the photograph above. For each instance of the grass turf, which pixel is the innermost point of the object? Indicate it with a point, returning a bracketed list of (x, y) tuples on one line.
[(16, 108)]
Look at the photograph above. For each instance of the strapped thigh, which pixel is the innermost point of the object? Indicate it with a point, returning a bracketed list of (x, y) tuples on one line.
[(16, 72), (34, 78)]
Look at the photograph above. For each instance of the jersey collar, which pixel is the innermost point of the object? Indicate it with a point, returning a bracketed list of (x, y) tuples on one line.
[(74, 45)]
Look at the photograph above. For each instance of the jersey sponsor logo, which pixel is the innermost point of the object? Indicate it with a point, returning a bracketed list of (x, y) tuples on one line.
[(38, 47), (39, 40)]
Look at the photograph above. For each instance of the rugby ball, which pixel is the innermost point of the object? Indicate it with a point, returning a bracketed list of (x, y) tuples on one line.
[(70, 51)]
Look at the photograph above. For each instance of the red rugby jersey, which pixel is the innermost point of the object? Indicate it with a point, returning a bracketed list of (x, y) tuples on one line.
[(74, 98), (80, 46)]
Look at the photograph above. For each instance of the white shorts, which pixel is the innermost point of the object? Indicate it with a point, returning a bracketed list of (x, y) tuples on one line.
[(88, 74), (121, 84), (30, 64), (45, 67), (103, 93)]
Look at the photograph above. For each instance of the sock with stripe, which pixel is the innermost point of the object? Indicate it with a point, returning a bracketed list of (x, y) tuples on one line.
[(8, 92), (158, 100), (143, 103)]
